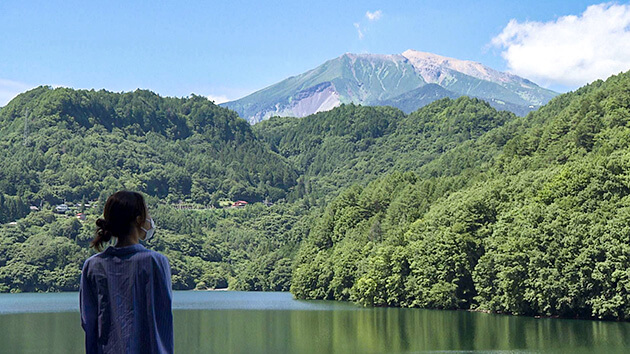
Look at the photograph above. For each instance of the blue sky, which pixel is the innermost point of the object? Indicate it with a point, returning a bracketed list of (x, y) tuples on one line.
[(227, 49)]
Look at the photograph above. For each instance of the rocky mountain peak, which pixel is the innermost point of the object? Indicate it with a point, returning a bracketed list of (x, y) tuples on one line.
[(430, 66)]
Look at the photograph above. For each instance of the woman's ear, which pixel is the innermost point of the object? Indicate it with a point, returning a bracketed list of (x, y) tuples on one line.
[(139, 221)]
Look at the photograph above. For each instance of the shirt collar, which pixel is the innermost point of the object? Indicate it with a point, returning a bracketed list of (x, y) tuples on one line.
[(119, 251)]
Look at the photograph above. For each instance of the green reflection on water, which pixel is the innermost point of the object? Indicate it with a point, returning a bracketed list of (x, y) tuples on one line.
[(337, 331)]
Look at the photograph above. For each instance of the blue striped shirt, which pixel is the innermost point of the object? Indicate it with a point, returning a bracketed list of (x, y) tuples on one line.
[(125, 301)]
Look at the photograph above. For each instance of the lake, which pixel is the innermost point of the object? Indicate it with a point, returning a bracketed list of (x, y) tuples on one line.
[(254, 322)]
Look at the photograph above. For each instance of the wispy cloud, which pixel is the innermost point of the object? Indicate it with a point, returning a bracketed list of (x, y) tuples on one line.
[(9, 89), (571, 50), (374, 16), (359, 31), (218, 99)]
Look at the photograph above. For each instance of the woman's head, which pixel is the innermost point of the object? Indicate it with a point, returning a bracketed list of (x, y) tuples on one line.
[(124, 212)]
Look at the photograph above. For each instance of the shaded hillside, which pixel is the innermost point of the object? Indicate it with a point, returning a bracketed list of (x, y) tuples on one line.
[(413, 100), (422, 96)]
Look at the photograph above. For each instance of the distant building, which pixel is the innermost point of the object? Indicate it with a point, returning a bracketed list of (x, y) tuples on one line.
[(61, 208), (239, 204), (184, 206), (81, 216)]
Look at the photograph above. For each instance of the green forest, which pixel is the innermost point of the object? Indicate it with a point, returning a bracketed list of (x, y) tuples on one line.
[(540, 228), (77, 147), (453, 206)]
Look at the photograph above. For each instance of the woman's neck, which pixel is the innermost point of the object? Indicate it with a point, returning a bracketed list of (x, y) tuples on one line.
[(130, 240)]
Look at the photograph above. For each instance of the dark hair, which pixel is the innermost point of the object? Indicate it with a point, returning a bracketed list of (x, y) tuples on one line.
[(121, 210)]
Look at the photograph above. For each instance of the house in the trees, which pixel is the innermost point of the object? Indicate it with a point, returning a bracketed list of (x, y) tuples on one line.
[(239, 204)]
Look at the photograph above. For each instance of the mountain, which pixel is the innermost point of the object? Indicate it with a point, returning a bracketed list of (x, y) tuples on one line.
[(407, 81)]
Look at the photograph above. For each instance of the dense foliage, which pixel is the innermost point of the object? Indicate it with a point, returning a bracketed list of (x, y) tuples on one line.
[(355, 144), (542, 230), (247, 249), (79, 146), (73, 144), (252, 248)]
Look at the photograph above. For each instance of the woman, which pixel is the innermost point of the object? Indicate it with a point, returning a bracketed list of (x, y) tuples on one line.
[(125, 294)]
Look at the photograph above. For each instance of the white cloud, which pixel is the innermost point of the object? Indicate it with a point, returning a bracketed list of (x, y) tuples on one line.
[(359, 31), (374, 16), (9, 89), (218, 99), (572, 50)]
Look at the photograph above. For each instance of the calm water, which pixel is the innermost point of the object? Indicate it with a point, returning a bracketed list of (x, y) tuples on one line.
[(247, 322)]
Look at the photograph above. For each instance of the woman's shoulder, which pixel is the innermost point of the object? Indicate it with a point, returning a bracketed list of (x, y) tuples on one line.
[(93, 259), (136, 251), (88, 262), (155, 256)]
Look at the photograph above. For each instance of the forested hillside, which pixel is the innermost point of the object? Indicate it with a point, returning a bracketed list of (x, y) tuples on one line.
[(541, 228), (245, 249), (80, 146), (73, 144), (354, 144)]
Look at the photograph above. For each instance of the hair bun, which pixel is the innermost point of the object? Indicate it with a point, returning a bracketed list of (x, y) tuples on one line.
[(102, 223)]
